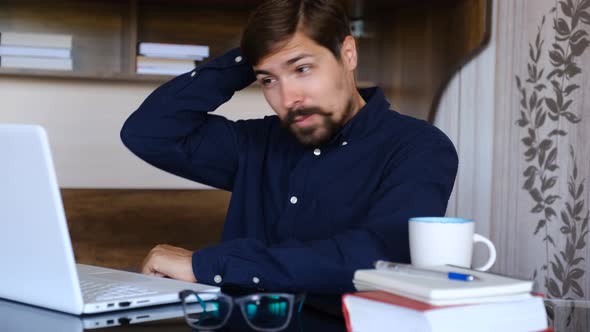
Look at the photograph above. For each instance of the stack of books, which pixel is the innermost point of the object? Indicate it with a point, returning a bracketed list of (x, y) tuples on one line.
[(35, 51), (169, 59), (392, 301)]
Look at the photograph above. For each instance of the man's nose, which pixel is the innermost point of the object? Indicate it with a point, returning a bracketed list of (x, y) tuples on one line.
[(291, 95)]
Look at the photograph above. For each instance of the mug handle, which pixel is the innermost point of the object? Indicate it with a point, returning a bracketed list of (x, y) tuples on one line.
[(491, 248)]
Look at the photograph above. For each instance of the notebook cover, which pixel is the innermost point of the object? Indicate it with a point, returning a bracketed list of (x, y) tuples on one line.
[(487, 288), (382, 296)]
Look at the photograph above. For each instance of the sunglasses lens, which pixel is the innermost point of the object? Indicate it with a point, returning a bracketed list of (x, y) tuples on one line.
[(210, 313), (267, 312)]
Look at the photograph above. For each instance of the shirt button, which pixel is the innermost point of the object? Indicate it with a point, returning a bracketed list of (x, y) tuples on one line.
[(344, 143), (317, 152), (217, 279), (255, 280), (238, 59), (193, 74), (293, 200)]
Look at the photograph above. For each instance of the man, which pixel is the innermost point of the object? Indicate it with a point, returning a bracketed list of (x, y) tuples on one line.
[(323, 188)]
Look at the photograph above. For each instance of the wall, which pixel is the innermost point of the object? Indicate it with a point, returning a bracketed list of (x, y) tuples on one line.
[(83, 119), (519, 117), (465, 114), (541, 163)]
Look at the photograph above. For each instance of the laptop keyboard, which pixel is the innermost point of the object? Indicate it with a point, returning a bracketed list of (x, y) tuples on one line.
[(94, 290)]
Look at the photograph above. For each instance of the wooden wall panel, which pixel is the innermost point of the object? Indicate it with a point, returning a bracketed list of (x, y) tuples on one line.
[(421, 45), (96, 47), (117, 228), (192, 24)]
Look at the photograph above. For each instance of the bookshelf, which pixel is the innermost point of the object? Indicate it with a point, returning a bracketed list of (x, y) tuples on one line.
[(106, 33), (409, 48)]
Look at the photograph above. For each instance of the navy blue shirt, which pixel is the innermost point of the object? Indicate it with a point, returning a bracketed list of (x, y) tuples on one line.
[(300, 218)]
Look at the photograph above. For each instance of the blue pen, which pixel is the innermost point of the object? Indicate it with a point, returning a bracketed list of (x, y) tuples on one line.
[(408, 269)]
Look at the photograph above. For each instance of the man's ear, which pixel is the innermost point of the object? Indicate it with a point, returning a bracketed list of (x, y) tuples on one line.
[(348, 54)]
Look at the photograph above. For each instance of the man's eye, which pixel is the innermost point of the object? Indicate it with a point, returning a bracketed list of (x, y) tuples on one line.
[(267, 81), (303, 69)]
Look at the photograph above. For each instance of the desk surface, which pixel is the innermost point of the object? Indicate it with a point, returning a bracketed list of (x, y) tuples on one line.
[(17, 317)]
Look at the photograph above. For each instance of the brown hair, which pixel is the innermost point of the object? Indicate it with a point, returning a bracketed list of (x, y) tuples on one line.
[(274, 22)]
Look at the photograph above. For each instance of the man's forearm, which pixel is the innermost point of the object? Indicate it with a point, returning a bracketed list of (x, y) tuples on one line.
[(166, 110), (172, 131)]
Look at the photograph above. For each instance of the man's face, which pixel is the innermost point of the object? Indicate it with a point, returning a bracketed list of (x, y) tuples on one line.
[(309, 89)]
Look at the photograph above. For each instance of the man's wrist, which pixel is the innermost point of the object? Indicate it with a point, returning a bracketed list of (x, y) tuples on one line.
[(236, 72)]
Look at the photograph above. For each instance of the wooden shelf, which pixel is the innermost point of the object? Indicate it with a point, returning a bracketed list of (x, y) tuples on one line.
[(105, 34), (409, 48), (58, 74)]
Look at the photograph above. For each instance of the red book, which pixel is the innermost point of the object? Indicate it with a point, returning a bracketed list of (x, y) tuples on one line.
[(381, 311)]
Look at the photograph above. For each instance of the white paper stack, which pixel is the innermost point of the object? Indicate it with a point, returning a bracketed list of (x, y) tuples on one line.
[(169, 59), (35, 51)]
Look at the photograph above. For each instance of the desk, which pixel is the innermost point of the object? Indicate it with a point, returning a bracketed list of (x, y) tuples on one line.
[(568, 316), (16, 317)]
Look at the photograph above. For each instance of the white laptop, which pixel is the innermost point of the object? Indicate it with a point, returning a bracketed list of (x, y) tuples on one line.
[(17, 317), (36, 253)]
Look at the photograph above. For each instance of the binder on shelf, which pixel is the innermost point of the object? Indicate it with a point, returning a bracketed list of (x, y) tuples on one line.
[(35, 51), (174, 51), (36, 39), (160, 71), (35, 63), (163, 66), (28, 51), (163, 62)]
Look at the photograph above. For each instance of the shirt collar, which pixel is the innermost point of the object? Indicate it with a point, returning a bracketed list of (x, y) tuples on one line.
[(366, 118)]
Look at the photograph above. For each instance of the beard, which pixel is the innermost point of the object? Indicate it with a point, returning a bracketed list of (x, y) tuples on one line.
[(317, 134)]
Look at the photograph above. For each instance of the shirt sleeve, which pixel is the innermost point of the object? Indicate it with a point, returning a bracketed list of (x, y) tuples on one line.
[(419, 186), (173, 131)]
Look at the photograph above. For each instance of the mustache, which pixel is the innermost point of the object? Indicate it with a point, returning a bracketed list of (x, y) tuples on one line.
[(292, 114)]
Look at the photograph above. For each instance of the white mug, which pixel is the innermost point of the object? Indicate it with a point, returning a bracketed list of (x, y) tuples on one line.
[(441, 241)]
